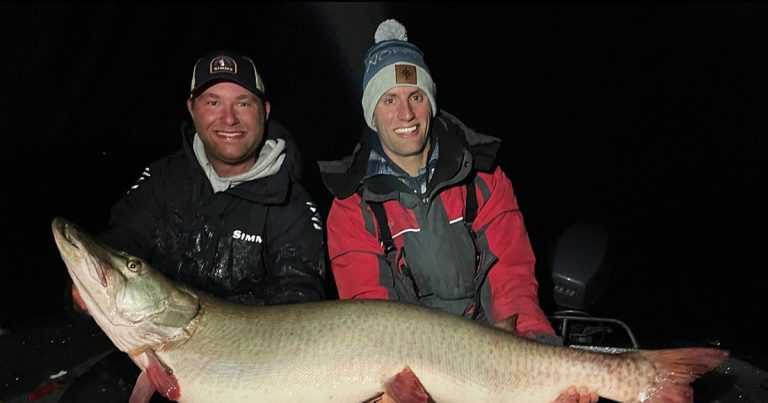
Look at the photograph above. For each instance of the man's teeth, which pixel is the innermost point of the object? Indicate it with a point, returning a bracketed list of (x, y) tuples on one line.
[(229, 134), (405, 130)]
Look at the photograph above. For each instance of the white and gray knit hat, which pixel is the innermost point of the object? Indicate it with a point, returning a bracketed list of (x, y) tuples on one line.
[(393, 61)]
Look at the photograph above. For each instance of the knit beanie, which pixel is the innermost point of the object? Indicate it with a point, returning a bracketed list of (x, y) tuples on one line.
[(393, 61)]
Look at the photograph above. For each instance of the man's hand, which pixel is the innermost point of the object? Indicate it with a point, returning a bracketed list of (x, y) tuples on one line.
[(509, 324), (578, 395), (572, 395)]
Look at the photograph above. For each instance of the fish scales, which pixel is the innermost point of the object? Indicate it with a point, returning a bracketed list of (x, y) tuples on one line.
[(355, 347), (344, 351)]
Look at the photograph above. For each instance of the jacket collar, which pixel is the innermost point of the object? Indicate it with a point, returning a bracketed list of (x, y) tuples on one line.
[(271, 189), (460, 147)]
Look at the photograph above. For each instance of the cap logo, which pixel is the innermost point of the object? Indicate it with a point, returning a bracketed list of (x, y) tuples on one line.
[(405, 74), (223, 64)]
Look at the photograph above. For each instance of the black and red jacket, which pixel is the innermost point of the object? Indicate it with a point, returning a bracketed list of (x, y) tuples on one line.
[(486, 273)]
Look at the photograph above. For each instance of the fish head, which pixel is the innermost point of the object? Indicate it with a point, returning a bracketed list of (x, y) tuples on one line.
[(135, 305)]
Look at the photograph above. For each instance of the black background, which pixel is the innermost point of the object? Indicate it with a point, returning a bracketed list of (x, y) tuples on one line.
[(646, 118)]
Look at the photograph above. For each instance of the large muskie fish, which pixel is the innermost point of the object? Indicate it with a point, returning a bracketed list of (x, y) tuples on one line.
[(192, 347)]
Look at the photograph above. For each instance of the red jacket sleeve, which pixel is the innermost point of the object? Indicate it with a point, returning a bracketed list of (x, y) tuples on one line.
[(512, 278), (354, 252)]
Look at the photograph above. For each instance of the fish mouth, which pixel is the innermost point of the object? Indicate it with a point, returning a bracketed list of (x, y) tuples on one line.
[(65, 236), (69, 239)]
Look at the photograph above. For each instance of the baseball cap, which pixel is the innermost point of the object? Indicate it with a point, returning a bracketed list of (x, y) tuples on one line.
[(225, 66)]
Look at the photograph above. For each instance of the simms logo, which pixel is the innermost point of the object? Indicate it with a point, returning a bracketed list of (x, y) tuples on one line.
[(237, 234), (223, 64)]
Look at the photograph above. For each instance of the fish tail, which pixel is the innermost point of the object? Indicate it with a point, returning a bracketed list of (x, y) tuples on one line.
[(676, 369)]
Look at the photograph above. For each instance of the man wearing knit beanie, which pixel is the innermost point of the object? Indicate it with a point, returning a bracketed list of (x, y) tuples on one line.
[(422, 213), (392, 62)]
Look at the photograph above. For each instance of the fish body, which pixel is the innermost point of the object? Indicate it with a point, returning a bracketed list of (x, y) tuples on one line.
[(193, 347)]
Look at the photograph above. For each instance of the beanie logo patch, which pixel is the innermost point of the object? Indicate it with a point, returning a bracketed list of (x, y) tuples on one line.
[(405, 74), (223, 64)]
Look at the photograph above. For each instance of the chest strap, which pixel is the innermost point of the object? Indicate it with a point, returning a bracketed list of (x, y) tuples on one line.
[(385, 235)]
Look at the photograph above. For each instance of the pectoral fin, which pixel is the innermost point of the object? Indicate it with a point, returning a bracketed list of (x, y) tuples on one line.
[(143, 389), (157, 377)]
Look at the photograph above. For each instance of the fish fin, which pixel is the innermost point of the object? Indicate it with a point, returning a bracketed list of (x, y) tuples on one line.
[(405, 387), (156, 377), (678, 367), (143, 389)]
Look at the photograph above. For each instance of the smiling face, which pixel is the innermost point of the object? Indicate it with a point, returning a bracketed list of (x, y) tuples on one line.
[(230, 121), (402, 117)]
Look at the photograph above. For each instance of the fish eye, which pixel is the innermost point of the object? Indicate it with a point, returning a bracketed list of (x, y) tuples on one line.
[(133, 265)]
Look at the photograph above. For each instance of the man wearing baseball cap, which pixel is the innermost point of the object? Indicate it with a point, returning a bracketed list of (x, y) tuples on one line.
[(224, 214)]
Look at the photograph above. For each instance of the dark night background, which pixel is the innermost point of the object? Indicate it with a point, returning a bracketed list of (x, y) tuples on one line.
[(646, 118)]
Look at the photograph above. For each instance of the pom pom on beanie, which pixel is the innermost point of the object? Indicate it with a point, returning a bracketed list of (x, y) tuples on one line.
[(393, 61)]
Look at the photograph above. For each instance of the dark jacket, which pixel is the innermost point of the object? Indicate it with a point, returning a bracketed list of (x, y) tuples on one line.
[(260, 242), (486, 273)]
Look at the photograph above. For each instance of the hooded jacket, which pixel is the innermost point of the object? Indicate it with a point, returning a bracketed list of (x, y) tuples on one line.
[(259, 242), (486, 273)]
